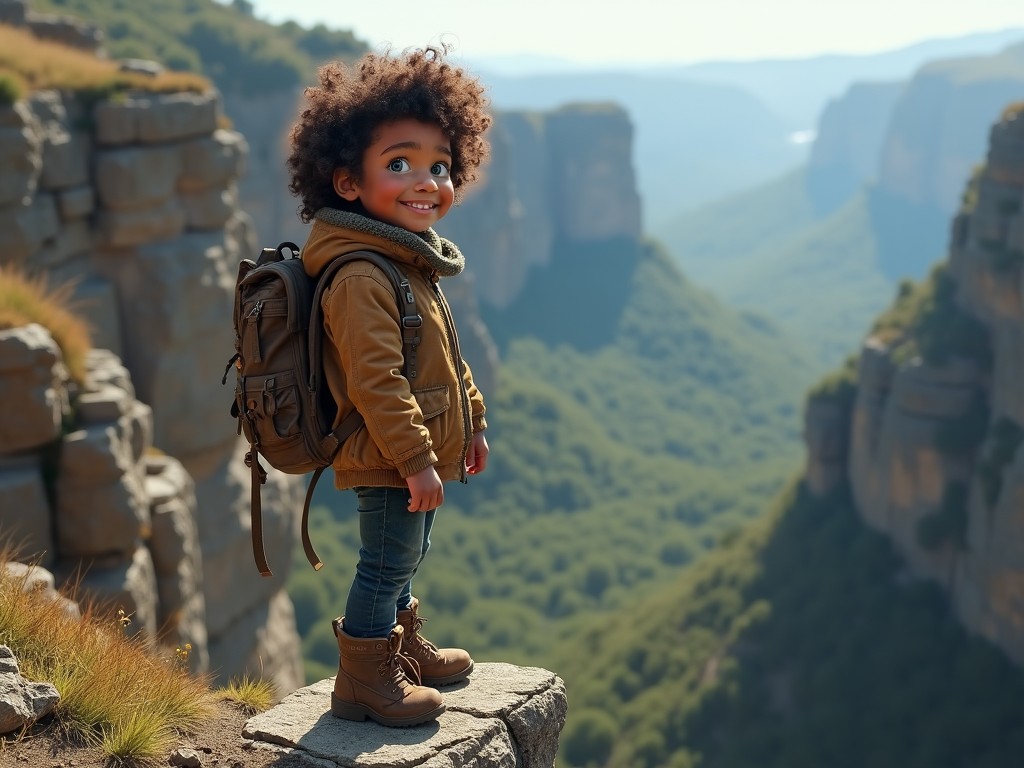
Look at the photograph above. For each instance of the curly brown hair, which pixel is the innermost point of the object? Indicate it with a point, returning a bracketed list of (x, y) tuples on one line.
[(343, 111)]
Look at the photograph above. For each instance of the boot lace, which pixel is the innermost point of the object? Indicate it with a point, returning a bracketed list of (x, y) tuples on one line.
[(398, 667), (419, 645)]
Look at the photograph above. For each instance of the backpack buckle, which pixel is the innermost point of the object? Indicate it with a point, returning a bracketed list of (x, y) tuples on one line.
[(412, 321)]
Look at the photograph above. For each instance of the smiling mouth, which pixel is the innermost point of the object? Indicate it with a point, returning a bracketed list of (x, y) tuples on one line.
[(424, 207)]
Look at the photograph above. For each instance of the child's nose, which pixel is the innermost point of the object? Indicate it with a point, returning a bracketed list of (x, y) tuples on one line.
[(426, 182)]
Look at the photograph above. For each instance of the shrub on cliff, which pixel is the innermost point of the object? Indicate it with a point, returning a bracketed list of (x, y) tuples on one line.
[(225, 42), (28, 299), (926, 320), (113, 691), (839, 386), (117, 691)]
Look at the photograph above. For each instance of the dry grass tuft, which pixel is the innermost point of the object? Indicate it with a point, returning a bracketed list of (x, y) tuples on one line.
[(29, 64), (115, 690), (28, 299), (253, 695)]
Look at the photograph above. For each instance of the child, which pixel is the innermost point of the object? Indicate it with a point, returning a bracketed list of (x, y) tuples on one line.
[(379, 154)]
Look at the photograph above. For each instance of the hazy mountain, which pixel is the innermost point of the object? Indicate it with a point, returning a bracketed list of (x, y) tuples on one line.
[(797, 89)]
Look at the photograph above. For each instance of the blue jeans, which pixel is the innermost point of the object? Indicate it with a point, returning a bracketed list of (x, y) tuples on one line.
[(393, 544)]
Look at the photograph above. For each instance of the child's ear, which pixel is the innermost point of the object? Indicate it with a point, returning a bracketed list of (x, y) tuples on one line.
[(345, 185)]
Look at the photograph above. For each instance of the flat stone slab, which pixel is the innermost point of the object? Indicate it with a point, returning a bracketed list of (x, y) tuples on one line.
[(504, 716)]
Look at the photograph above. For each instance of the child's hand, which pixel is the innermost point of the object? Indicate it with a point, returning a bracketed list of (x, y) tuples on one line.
[(476, 456), (426, 490)]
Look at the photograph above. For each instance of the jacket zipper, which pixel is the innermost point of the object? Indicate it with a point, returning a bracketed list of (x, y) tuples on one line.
[(453, 344)]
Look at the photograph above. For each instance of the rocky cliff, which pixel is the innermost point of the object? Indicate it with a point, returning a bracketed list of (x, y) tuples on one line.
[(927, 425), (134, 475), (939, 125), (135, 199)]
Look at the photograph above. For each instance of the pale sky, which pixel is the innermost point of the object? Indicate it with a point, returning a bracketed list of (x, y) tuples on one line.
[(676, 31)]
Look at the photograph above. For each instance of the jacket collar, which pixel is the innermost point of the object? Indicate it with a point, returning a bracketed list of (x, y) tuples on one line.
[(426, 250)]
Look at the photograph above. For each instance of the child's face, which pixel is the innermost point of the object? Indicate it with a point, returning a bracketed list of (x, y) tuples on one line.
[(406, 180)]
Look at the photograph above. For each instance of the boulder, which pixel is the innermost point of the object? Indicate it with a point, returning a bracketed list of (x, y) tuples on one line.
[(33, 396), (21, 702)]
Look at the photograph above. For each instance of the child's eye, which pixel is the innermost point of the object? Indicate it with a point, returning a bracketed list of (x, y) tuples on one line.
[(399, 165), (439, 169)]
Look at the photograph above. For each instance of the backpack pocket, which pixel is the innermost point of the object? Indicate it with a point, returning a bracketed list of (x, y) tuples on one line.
[(264, 326), (270, 407)]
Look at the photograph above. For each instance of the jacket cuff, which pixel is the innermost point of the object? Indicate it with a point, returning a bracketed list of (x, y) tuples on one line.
[(479, 423), (416, 464)]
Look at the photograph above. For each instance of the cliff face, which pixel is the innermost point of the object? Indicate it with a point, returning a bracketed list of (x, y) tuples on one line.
[(555, 178), (849, 139), (939, 127), (136, 200), (930, 440)]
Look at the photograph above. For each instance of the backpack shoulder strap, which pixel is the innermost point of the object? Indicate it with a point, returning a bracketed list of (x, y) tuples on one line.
[(411, 322)]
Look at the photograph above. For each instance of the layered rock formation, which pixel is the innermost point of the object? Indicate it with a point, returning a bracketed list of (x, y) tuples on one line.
[(86, 495), (928, 436), (135, 199)]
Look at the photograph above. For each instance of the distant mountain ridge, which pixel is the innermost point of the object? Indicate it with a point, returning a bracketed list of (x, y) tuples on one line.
[(798, 89), (821, 250)]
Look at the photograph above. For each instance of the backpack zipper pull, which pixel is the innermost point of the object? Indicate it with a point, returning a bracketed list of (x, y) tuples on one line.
[(253, 336)]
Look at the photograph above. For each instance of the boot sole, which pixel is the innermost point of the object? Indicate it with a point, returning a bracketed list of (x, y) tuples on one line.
[(457, 677), (346, 710)]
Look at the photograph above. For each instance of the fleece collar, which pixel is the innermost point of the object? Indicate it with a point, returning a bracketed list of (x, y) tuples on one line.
[(441, 255)]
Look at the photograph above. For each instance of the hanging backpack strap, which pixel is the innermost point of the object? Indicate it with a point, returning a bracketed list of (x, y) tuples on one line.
[(307, 545), (348, 425), (258, 477), (411, 322)]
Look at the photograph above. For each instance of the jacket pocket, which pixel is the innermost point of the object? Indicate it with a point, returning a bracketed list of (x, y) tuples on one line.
[(433, 401)]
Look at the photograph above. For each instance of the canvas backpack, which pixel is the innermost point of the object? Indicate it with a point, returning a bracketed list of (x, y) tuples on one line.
[(282, 403)]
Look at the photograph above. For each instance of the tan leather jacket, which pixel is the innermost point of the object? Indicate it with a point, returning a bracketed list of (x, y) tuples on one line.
[(408, 427)]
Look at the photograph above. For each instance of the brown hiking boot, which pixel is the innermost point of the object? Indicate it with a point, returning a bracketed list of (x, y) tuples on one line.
[(373, 682), (438, 666)]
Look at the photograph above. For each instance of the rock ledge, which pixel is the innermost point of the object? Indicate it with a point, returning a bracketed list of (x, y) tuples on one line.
[(505, 716)]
